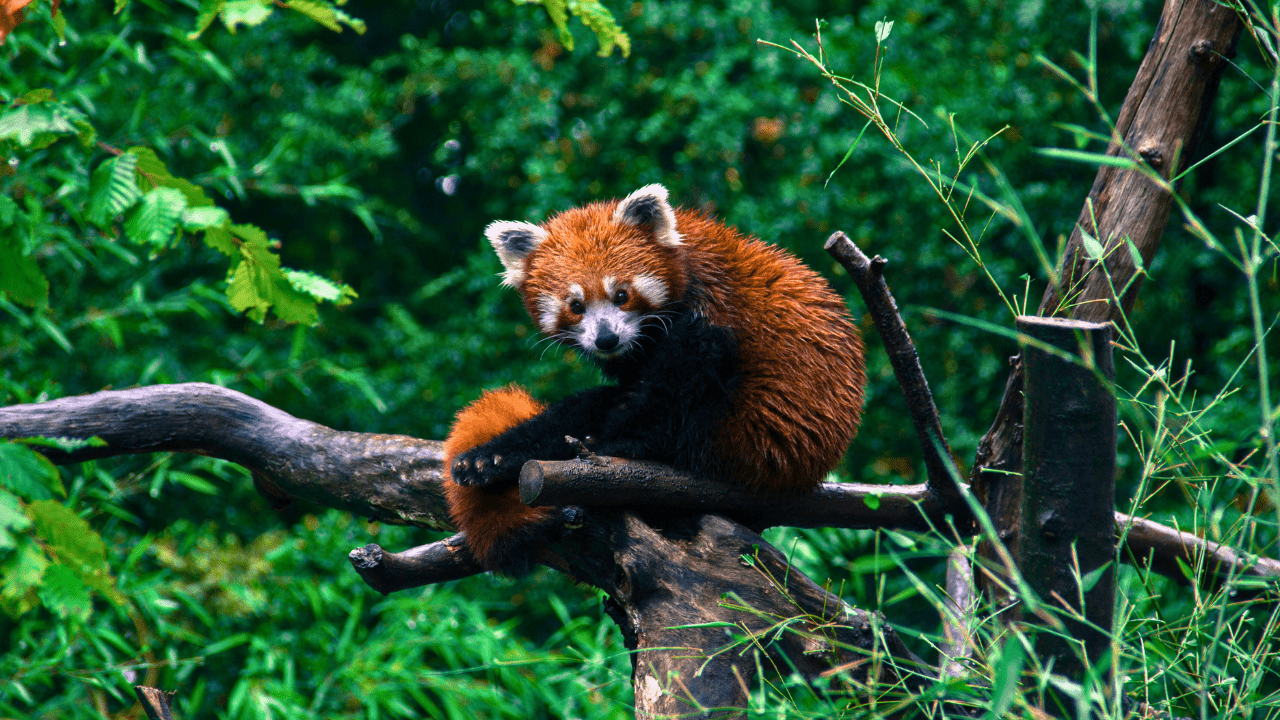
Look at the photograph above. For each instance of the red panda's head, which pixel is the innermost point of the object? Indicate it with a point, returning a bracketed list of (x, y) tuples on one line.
[(595, 275)]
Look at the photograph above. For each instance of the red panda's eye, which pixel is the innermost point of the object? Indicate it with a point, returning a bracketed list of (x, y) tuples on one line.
[(575, 307), (620, 297)]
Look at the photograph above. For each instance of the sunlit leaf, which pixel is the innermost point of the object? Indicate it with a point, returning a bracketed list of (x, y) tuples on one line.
[(28, 473), (12, 519), (245, 12), (320, 288), (62, 591), (153, 220), (112, 190)]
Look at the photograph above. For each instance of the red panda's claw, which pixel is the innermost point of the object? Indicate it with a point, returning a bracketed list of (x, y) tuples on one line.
[(484, 470)]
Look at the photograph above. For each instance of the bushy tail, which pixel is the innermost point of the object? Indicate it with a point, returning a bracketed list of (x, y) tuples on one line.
[(501, 531)]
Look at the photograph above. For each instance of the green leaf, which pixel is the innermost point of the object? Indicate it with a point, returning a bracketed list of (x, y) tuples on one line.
[(257, 283), (209, 10), (1092, 248), (1091, 579), (20, 575), (59, 22), (882, 30), (112, 190), (327, 15), (202, 218), (62, 443), (245, 12), (1006, 675), (28, 473), (63, 592), (221, 239), (20, 276), (1134, 253), (152, 173), (154, 220), (39, 124), (120, 5), (53, 331), (598, 18), (871, 501), (68, 536), (1089, 158), (847, 154), (12, 519), (320, 288)]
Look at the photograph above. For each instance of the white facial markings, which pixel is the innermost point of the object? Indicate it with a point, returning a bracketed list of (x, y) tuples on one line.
[(548, 313), (610, 282), (602, 319), (575, 292), (651, 288)]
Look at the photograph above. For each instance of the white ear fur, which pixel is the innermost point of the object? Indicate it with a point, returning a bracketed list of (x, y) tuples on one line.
[(649, 206), (513, 241)]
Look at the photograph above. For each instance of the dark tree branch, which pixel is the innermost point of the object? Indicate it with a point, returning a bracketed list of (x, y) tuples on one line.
[(390, 478), (435, 562), (612, 482), (1160, 123), (1161, 547), (868, 275)]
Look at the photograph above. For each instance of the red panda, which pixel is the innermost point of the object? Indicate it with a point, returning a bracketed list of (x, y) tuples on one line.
[(729, 357)]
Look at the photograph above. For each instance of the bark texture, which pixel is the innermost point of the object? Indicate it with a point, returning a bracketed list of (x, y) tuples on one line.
[(1067, 526), (1160, 124)]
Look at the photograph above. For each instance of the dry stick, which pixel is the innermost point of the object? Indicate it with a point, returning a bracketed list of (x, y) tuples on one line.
[(1160, 123), (155, 702), (958, 612), (868, 275)]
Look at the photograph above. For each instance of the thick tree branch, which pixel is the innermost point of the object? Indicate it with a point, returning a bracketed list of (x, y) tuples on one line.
[(390, 478), (612, 482)]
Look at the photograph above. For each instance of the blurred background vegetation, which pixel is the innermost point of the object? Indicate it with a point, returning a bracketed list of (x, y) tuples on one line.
[(374, 161)]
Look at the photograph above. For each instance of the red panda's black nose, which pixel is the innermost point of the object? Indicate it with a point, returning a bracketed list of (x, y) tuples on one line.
[(606, 340)]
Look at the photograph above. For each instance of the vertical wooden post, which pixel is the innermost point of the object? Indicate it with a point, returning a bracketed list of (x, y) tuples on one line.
[(1067, 528)]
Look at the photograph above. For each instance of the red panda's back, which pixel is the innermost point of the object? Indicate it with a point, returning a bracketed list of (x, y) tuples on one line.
[(800, 357)]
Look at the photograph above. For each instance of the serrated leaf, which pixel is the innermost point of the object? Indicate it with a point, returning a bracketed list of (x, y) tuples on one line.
[(153, 173), (153, 220), (63, 592), (20, 276), (220, 239), (20, 575), (200, 218), (257, 283), (73, 544), (39, 123), (245, 12), (209, 10), (12, 519), (320, 288), (112, 189), (28, 473), (321, 12), (598, 18)]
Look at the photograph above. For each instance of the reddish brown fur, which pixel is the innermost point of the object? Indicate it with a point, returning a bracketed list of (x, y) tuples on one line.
[(487, 516), (800, 356)]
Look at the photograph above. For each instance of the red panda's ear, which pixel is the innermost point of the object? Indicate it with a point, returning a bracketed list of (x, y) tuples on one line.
[(649, 207), (513, 241)]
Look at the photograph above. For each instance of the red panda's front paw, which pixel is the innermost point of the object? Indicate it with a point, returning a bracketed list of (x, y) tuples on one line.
[(475, 468)]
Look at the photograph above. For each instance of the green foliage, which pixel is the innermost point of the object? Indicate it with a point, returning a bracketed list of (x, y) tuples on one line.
[(373, 161), (592, 14)]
